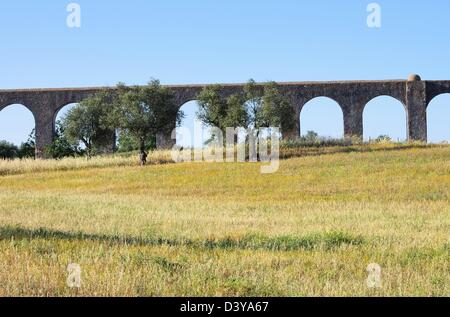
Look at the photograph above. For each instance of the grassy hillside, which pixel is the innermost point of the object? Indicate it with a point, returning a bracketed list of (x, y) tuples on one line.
[(225, 229)]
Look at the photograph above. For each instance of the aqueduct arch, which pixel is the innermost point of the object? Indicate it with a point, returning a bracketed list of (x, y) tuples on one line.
[(18, 131), (332, 106), (392, 110), (437, 118), (352, 96)]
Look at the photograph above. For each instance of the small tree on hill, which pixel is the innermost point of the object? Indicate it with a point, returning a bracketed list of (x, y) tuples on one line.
[(217, 111), (87, 122), (259, 106), (212, 107), (145, 111), (276, 109), (266, 107), (311, 137)]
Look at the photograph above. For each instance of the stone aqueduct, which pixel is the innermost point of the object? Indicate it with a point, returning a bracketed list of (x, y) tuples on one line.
[(352, 96)]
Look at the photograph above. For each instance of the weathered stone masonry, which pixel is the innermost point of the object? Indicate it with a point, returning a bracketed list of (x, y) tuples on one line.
[(352, 96)]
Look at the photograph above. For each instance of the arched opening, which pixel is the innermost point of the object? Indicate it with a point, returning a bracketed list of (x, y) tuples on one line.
[(59, 118), (191, 133), (438, 116), (64, 146), (384, 116), (323, 116), (17, 126), (62, 112)]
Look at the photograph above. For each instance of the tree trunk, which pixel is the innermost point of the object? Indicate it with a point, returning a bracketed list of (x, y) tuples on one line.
[(88, 150), (253, 155), (143, 154)]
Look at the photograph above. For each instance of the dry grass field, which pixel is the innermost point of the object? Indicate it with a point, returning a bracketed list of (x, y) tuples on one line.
[(210, 229)]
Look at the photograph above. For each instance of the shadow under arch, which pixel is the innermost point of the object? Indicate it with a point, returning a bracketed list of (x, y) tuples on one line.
[(438, 116), (323, 115), (17, 122), (385, 115)]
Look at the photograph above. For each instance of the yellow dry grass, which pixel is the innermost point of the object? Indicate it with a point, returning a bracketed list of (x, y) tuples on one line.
[(214, 229)]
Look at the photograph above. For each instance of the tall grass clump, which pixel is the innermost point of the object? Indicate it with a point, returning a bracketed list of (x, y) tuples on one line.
[(22, 166)]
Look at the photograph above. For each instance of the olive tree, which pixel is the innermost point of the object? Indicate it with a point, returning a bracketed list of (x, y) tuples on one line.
[(267, 107), (258, 106), (144, 111), (218, 112), (87, 122)]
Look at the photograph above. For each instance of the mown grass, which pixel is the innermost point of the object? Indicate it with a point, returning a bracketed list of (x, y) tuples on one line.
[(225, 229)]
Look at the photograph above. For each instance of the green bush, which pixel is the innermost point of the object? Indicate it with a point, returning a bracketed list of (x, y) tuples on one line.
[(8, 151), (312, 139), (383, 139), (28, 148), (62, 146)]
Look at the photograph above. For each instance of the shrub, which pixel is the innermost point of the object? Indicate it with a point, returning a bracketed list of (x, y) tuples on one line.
[(62, 146), (28, 148), (8, 150), (383, 139), (312, 139)]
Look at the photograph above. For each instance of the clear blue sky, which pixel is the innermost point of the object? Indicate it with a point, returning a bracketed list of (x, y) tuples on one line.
[(179, 41)]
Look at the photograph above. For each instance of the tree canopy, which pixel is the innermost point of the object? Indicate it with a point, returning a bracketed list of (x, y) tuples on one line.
[(259, 106), (87, 122), (144, 111)]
